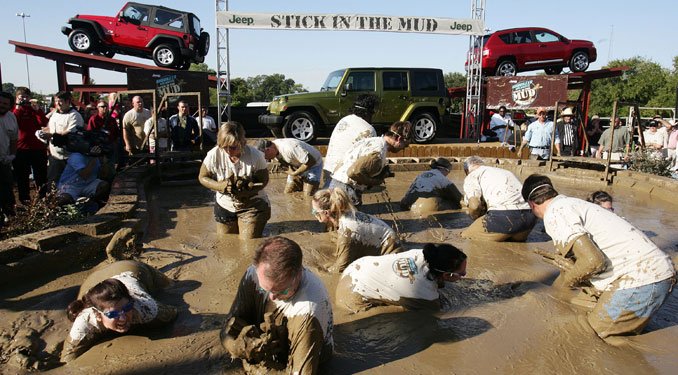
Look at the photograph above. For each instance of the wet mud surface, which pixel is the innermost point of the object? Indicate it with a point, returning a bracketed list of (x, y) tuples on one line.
[(502, 318)]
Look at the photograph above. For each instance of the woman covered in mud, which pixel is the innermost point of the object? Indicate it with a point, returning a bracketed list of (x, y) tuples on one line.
[(432, 190), (410, 279), (238, 174), (113, 299), (358, 234)]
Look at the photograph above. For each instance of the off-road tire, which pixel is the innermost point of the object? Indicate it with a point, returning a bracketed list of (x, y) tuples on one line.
[(166, 56), (424, 126), (204, 44), (82, 40), (506, 68), (579, 61), (301, 125)]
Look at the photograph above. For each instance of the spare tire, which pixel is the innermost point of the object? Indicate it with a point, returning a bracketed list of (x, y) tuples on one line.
[(204, 43)]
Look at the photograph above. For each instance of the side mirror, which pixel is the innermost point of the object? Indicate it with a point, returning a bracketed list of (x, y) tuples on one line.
[(348, 87)]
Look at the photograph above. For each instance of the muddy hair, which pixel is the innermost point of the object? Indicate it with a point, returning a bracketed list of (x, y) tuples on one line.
[(598, 197), (538, 189), (282, 255), (400, 128), (231, 133), (440, 163), (442, 258), (471, 161), (334, 200), (109, 290), (365, 105)]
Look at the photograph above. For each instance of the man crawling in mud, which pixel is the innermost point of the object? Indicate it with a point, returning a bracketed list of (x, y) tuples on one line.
[(281, 317), (627, 276)]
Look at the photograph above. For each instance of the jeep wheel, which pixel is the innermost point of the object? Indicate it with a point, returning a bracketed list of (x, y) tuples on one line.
[(424, 126), (506, 68), (204, 44), (579, 61), (81, 40), (165, 55), (105, 53), (552, 71), (301, 125)]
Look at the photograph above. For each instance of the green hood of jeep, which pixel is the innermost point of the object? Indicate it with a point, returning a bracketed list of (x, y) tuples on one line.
[(280, 103)]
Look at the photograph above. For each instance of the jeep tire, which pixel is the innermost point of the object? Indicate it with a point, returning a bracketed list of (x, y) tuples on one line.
[(81, 40), (301, 125), (204, 43), (166, 56), (506, 68), (424, 126), (579, 61)]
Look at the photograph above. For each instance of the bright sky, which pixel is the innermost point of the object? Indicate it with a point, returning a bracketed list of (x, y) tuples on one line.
[(619, 29)]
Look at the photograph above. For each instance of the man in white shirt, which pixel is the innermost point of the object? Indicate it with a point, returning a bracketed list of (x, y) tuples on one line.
[(9, 134), (209, 130), (494, 202), (500, 127), (630, 276), (348, 131), (64, 119), (303, 162)]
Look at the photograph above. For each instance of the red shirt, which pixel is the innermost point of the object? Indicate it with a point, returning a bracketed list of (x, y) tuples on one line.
[(96, 122), (29, 121)]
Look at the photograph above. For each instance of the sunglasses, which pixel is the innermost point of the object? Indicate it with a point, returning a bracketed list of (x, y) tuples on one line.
[(315, 212), (115, 314), (449, 273), (233, 148), (101, 106)]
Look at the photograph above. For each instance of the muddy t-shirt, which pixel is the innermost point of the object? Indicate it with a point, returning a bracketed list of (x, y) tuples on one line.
[(346, 133), (365, 229), (499, 187), (296, 153), (364, 147), (632, 259), (222, 168), (396, 279)]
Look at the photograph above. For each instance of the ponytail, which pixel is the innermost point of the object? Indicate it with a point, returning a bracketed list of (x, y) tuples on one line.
[(334, 200)]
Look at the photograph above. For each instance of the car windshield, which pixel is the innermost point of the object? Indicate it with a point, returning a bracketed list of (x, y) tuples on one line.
[(332, 80), (196, 25), (485, 38)]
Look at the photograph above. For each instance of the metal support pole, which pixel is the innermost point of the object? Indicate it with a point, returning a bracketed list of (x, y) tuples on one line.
[(23, 21)]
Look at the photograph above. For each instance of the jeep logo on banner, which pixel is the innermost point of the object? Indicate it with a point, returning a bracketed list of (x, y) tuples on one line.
[(170, 82), (523, 92)]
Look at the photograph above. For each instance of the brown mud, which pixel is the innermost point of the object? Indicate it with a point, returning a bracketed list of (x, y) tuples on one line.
[(502, 318)]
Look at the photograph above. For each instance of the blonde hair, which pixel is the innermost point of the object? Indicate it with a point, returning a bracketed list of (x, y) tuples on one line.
[(230, 133), (334, 200)]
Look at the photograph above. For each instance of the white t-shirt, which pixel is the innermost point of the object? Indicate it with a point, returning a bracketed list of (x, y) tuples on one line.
[(163, 134), (62, 123), (631, 257), (9, 131), (392, 277), (86, 322), (429, 181), (361, 148), (207, 123), (366, 229), (295, 152), (500, 188), (346, 133), (656, 137), (222, 168)]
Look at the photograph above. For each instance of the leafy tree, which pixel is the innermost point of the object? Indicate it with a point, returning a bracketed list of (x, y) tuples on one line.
[(201, 67), (8, 87), (263, 88), (455, 79)]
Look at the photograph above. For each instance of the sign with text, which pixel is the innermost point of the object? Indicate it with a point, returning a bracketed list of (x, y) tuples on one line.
[(523, 92), (166, 82), (349, 22)]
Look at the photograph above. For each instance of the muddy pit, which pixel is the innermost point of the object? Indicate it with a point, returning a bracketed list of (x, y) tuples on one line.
[(503, 318)]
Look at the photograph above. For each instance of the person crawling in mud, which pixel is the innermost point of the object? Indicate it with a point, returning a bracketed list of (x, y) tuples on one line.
[(358, 234), (238, 174), (365, 164), (627, 275), (494, 202), (281, 317), (113, 299), (410, 279), (432, 190), (303, 163), (601, 198)]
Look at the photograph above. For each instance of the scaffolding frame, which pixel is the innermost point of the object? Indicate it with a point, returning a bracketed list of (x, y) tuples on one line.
[(473, 106)]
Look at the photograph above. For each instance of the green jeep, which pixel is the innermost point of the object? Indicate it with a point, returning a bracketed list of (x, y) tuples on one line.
[(415, 94)]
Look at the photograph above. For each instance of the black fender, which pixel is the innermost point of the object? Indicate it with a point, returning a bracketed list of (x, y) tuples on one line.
[(78, 22), (164, 39)]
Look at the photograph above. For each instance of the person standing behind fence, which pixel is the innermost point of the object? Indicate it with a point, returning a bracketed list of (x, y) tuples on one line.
[(9, 133), (64, 119), (619, 146), (103, 121), (593, 132), (238, 174), (133, 126), (184, 129), (31, 154), (568, 133), (538, 137), (209, 130)]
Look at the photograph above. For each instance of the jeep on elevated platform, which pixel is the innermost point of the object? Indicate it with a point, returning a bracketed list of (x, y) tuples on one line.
[(172, 38), (415, 94)]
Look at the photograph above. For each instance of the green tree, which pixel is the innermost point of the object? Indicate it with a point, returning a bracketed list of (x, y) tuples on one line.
[(455, 79), (263, 88), (201, 67), (8, 87)]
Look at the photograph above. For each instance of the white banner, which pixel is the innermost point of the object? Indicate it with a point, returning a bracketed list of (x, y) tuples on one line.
[(348, 22)]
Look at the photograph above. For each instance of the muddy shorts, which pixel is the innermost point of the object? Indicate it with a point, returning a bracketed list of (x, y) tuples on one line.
[(250, 213), (627, 311)]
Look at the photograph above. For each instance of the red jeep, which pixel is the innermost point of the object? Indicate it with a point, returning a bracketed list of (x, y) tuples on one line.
[(172, 38), (507, 52)]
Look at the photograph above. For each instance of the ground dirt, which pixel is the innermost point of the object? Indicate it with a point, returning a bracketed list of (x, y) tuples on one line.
[(502, 318)]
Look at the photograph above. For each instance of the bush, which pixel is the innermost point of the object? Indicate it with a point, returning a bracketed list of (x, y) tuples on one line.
[(647, 162)]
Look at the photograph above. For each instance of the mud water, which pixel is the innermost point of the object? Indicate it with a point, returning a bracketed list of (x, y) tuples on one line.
[(503, 318)]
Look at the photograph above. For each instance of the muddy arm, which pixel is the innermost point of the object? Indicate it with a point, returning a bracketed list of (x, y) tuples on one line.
[(589, 261), (306, 343), (304, 167), (74, 349), (343, 253), (366, 170), (476, 207), (206, 180)]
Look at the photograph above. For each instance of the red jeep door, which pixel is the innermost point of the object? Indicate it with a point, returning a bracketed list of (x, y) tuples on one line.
[(131, 29)]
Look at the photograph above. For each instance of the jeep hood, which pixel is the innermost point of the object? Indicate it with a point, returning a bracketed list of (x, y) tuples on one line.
[(99, 19)]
